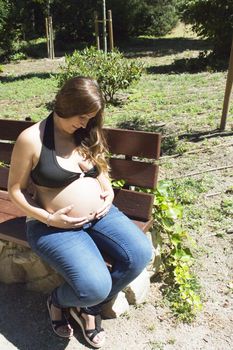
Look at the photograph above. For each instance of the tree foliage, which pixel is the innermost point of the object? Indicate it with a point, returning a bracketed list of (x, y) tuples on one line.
[(7, 29), (150, 17), (211, 19), (73, 20), (19, 20)]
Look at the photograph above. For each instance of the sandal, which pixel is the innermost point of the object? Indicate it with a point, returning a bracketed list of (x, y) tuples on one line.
[(89, 334), (59, 323)]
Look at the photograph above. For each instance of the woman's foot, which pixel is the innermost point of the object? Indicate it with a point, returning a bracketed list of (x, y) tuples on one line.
[(91, 327), (59, 321)]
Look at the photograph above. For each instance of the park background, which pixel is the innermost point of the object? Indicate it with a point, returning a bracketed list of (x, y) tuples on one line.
[(180, 94)]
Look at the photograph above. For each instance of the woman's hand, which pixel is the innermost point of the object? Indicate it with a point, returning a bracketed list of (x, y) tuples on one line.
[(62, 220), (108, 197)]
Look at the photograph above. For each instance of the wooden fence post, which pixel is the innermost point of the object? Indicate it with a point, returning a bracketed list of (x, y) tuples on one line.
[(49, 37), (228, 90), (97, 30), (105, 48), (110, 30)]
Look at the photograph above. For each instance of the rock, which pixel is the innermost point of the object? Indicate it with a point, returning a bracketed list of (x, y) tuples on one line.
[(136, 292), (115, 307), (155, 263), (9, 271), (40, 277), (45, 284), (2, 244)]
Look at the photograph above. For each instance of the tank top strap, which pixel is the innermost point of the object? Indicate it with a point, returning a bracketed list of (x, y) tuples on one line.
[(48, 138)]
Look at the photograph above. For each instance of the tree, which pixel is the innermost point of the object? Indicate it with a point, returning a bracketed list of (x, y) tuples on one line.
[(211, 19), (157, 17), (149, 17), (74, 19), (7, 30)]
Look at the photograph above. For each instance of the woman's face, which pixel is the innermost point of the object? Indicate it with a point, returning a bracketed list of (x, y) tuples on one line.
[(70, 125)]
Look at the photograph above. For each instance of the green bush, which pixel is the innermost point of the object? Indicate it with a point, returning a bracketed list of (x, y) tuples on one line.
[(18, 56), (136, 17), (112, 71), (211, 19)]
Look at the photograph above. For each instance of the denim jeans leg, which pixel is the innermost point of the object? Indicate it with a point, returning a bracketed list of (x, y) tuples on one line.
[(116, 235), (76, 257)]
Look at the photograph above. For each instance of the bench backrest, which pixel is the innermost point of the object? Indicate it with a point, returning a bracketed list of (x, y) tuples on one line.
[(132, 158)]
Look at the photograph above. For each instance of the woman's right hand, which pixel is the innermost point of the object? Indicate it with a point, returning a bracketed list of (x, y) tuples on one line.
[(62, 220)]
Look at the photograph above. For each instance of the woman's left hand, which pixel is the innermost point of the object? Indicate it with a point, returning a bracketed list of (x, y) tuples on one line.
[(108, 199)]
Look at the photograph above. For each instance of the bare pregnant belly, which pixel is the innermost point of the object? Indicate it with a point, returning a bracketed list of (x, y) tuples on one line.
[(83, 193)]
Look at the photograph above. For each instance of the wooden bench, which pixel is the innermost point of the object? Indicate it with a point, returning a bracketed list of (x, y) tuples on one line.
[(133, 155)]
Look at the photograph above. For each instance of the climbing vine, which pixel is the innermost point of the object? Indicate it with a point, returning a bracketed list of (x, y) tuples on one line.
[(180, 285)]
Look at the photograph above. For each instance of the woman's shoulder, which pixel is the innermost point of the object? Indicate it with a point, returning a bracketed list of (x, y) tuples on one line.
[(31, 136)]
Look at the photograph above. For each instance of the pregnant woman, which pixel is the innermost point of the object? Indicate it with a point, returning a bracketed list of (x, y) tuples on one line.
[(70, 218)]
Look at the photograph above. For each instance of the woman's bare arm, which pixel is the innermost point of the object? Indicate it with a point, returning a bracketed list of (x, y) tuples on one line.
[(21, 165)]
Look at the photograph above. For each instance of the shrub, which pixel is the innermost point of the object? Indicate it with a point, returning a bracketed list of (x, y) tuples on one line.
[(112, 71), (18, 56), (211, 19)]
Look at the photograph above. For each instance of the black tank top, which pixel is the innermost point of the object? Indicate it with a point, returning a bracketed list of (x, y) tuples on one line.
[(48, 172)]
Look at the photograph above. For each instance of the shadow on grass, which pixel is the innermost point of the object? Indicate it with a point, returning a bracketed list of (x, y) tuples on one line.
[(197, 136), (9, 79), (61, 48), (157, 47), (190, 65)]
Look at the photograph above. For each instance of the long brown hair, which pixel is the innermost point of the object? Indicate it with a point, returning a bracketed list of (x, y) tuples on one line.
[(82, 96)]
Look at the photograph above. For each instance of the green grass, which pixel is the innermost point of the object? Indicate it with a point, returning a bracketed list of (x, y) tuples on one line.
[(185, 102), (28, 96)]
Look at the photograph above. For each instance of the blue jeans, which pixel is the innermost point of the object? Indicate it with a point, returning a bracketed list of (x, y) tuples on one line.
[(76, 255)]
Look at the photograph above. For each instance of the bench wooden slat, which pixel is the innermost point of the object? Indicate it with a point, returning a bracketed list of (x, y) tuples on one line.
[(13, 230), (144, 226), (8, 208), (134, 204), (133, 143), (3, 177), (5, 152), (10, 129), (134, 173), (145, 144)]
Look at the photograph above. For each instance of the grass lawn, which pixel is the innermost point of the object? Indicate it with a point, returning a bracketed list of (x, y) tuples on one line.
[(184, 102)]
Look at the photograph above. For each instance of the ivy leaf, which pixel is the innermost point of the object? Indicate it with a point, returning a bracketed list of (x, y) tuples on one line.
[(176, 239), (174, 213)]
